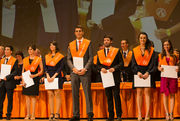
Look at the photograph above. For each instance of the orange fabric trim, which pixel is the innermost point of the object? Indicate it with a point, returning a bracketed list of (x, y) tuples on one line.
[(128, 58), (107, 60), (33, 65), (162, 61), (53, 61), (95, 59), (80, 53), (11, 61), (142, 60)]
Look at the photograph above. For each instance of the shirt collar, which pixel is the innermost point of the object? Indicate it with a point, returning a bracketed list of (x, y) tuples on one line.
[(80, 40)]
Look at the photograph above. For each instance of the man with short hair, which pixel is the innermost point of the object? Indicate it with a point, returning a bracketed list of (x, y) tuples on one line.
[(8, 84), (80, 49)]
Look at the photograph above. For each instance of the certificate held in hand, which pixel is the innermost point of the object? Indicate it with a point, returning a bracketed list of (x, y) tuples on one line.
[(78, 63), (169, 71), (51, 85), (5, 70), (140, 82), (27, 79), (107, 79)]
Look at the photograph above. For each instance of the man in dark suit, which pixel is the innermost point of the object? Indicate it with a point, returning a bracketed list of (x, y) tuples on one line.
[(8, 84), (110, 59), (80, 48)]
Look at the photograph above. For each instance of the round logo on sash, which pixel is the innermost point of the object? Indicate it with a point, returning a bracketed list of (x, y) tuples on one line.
[(32, 68), (52, 63), (108, 60), (161, 12)]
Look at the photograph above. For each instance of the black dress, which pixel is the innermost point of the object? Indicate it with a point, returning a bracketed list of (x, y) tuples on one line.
[(51, 70), (32, 90), (143, 69)]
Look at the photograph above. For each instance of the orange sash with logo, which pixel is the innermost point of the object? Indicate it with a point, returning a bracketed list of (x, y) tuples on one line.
[(107, 60), (33, 65), (162, 61), (142, 60), (80, 52), (11, 61), (53, 61), (128, 58), (160, 9), (95, 59)]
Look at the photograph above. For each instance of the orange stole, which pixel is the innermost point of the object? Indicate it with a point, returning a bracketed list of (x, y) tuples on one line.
[(80, 52), (53, 61), (33, 65), (11, 61), (162, 61), (107, 60), (95, 59), (142, 60), (160, 9), (128, 58)]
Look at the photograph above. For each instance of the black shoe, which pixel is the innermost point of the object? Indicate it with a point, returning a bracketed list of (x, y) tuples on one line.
[(110, 119), (1, 117), (90, 119), (8, 118), (75, 118), (119, 119)]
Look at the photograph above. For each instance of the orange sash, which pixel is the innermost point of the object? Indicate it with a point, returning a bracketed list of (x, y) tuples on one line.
[(107, 60), (53, 61), (142, 60), (11, 61), (162, 61), (33, 65), (95, 59), (80, 52), (160, 9), (128, 58)]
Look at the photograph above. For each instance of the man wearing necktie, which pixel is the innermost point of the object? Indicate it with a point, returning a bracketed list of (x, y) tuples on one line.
[(7, 83), (127, 55), (110, 59), (80, 48)]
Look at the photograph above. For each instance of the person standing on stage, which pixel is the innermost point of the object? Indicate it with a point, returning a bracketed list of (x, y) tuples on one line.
[(110, 59), (169, 86), (33, 64), (142, 65), (80, 49), (52, 67), (127, 57), (8, 84)]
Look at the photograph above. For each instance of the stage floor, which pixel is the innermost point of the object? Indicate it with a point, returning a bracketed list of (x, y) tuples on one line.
[(94, 120)]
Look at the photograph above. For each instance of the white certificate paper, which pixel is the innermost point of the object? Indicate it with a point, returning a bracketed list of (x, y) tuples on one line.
[(169, 71), (102, 9), (51, 85), (149, 26), (49, 17), (27, 79), (140, 82), (5, 70), (78, 63), (107, 79), (8, 20)]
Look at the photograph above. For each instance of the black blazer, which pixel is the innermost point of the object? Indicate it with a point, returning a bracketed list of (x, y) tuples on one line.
[(10, 83), (117, 64)]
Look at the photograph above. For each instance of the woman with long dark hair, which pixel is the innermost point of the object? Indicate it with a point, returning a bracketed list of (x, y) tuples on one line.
[(142, 65), (169, 86), (52, 67)]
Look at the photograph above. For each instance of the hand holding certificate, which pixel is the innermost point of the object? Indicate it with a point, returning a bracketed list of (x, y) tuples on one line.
[(27, 79), (51, 85), (140, 82), (107, 79), (5, 70), (169, 71)]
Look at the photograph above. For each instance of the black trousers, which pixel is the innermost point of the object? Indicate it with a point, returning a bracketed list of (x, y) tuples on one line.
[(3, 92), (113, 93)]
